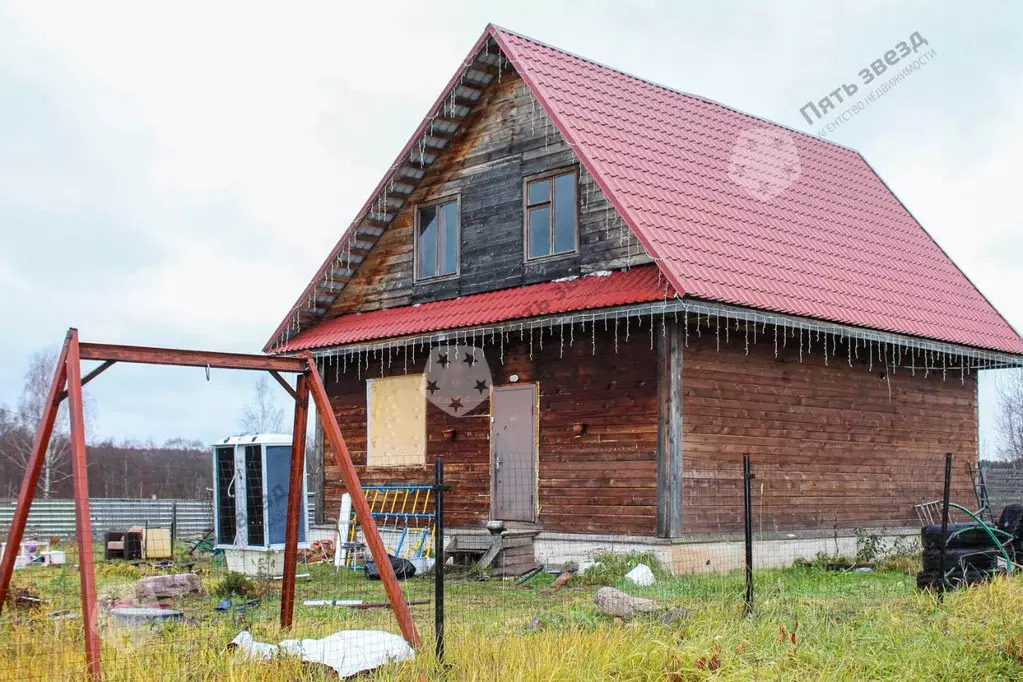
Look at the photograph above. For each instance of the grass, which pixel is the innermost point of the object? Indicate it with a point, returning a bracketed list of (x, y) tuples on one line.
[(809, 624)]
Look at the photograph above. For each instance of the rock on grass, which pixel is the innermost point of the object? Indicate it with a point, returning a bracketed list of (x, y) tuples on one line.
[(614, 602)]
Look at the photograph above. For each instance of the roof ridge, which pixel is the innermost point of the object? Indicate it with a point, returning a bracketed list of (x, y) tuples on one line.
[(672, 90)]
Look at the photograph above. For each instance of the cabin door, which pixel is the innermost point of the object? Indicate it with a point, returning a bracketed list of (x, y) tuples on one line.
[(513, 437)]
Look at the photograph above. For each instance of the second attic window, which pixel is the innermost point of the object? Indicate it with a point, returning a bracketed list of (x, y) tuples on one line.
[(551, 215)]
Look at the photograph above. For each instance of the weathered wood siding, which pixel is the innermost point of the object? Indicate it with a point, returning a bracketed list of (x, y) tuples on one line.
[(601, 482), (508, 138), (832, 446)]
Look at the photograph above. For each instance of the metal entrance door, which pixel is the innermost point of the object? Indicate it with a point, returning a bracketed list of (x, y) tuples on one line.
[(513, 447)]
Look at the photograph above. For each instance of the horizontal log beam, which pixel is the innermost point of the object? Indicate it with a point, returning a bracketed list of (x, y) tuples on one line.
[(442, 134), (483, 67), (189, 358), (450, 120), (466, 102)]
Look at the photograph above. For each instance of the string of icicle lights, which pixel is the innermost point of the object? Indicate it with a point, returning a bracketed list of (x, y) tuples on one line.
[(727, 325)]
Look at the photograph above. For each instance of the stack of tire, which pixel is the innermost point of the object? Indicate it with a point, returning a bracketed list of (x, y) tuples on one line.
[(971, 556), (1011, 521)]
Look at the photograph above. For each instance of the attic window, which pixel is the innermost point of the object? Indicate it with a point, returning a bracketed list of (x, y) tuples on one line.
[(437, 237), (551, 214)]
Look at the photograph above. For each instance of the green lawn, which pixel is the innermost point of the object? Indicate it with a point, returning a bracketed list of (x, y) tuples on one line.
[(808, 624)]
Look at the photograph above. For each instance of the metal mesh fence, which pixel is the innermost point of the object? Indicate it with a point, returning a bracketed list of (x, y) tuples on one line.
[(824, 550), (208, 605)]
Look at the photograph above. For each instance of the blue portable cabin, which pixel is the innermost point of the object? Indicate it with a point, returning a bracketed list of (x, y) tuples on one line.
[(251, 479)]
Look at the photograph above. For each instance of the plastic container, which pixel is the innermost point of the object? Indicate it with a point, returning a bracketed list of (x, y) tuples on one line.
[(140, 617)]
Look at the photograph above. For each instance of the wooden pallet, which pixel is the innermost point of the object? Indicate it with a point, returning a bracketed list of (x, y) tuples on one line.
[(506, 555)]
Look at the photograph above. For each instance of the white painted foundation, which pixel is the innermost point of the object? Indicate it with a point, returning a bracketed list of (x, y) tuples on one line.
[(685, 556), (692, 555)]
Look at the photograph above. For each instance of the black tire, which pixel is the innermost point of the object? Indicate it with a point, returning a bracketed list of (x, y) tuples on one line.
[(931, 580), (969, 534), (927, 580), (1011, 520), (975, 558), (958, 578)]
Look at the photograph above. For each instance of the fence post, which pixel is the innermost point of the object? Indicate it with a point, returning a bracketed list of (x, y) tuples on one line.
[(944, 522), (174, 526), (438, 551), (748, 476)]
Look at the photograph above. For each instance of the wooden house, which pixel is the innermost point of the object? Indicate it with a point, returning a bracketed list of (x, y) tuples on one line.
[(653, 285)]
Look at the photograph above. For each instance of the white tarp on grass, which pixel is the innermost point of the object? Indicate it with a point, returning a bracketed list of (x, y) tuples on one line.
[(348, 652)]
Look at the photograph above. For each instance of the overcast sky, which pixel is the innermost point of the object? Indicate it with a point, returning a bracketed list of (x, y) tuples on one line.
[(174, 175)]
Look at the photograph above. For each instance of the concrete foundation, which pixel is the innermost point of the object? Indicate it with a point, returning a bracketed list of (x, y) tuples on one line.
[(698, 554)]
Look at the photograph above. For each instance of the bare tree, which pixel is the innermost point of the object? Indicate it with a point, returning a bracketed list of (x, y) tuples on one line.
[(18, 446), (1009, 418), (262, 415)]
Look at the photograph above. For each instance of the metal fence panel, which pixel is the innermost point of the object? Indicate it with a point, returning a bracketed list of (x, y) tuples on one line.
[(1004, 486), (57, 517)]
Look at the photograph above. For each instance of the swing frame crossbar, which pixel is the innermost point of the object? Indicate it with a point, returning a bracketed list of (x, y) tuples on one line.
[(67, 385)]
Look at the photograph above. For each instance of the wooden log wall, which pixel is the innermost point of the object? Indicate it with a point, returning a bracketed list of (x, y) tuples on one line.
[(507, 139), (601, 482), (832, 446)]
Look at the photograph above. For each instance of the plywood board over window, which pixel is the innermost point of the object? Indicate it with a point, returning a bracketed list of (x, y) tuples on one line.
[(396, 421)]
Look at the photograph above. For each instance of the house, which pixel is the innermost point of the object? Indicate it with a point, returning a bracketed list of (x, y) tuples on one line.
[(635, 287)]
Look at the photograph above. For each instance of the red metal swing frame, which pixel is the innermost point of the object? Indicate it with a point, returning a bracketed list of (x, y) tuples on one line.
[(67, 384)]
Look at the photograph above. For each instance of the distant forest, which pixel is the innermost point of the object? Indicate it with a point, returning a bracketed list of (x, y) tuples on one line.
[(176, 469)]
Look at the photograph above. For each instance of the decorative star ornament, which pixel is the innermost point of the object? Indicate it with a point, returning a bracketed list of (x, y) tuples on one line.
[(457, 378)]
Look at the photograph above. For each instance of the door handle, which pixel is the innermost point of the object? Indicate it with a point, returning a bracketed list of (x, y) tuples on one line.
[(497, 463)]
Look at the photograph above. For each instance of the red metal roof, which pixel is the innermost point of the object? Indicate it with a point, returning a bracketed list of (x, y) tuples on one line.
[(743, 211), (834, 245), (639, 285)]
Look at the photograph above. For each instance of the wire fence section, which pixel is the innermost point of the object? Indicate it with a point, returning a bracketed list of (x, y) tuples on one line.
[(1000, 484), (211, 604), (769, 536), (533, 558)]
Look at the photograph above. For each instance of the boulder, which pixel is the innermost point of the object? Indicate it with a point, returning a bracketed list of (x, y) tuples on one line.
[(613, 602), (168, 587)]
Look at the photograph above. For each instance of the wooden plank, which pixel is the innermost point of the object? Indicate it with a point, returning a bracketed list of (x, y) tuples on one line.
[(191, 358), (669, 442), (489, 556)]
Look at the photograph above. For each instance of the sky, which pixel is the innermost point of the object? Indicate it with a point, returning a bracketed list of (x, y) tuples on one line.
[(174, 174)]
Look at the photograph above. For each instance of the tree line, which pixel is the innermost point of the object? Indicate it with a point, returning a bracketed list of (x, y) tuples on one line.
[(175, 469)]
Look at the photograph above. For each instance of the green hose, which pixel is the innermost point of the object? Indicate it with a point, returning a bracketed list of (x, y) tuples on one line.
[(991, 533)]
